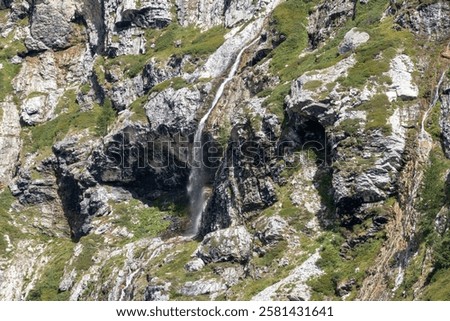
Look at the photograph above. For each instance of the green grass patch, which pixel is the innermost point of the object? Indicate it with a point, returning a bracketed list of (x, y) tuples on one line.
[(105, 118), (250, 287), (439, 288), (91, 245), (378, 110), (141, 220), (47, 287), (290, 19), (137, 107), (99, 70), (373, 58), (6, 226), (312, 85), (434, 194), (4, 14), (71, 118), (275, 101), (175, 83), (350, 126), (7, 74), (432, 125), (412, 275), (173, 40), (36, 94), (338, 269)]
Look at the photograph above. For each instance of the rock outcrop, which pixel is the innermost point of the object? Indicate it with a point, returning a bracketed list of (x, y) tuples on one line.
[(231, 244)]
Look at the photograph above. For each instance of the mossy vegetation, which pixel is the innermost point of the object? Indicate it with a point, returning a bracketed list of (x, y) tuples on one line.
[(339, 269), (70, 118), (91, 244), (173, 40), (137, 107), (105, 118), (7, 74), (140, 219), (7, 228), (47, 287), (378, 109), (434, 194), (439, 287)]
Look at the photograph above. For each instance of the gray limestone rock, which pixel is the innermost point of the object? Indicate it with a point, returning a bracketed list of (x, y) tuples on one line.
[(210, 13), (201, 287), (352, 40), (50, 24), (231, 244), (151, 14), (328, 17), (445, 119), (173, 108), (194, 265), (430, 19), (271, 229), (10, 141), (156, 293)]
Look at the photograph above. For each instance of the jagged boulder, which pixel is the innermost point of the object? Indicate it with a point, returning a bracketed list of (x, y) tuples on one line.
[(173, 108), (51, 25), (271, 229), (231, 244), (194, 265), (352, 40)]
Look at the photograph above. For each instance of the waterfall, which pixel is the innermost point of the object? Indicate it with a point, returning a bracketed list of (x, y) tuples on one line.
[(196, 186)]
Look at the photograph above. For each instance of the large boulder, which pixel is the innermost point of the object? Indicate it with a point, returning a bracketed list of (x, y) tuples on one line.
[(352, 40), (231, 244), (51, 25)]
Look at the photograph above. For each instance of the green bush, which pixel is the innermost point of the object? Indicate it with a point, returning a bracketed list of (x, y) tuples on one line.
[(105, 118), (378, 110)]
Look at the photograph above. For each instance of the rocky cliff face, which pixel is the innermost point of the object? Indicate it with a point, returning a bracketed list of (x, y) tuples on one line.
[(325, 159)]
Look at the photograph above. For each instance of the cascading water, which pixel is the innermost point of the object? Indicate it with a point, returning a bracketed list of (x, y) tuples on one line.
[(196, 186)]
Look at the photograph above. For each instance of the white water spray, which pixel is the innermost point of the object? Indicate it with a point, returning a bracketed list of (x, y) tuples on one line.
[(196, 186)]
